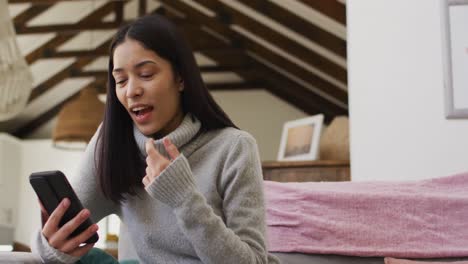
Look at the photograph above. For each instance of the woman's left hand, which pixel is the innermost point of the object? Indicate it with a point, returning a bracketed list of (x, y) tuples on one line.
[(155, 162)]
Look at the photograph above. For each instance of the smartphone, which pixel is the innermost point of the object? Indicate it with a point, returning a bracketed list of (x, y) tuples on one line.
[(52, 187)]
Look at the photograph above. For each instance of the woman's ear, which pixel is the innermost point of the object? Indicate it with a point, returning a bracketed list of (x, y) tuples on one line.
[(181, 84)]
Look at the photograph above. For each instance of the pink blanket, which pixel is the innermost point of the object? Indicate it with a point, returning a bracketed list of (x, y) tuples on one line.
[(417, 219)]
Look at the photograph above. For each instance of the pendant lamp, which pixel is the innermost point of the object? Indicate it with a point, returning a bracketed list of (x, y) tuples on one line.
[(78, 120), (15, 76)]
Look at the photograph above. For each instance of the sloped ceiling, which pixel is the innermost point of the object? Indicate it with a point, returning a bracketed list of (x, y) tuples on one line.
[(294, 49)]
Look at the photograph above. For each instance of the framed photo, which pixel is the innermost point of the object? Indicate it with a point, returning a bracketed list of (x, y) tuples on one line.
[(300, 139), (455, 51)]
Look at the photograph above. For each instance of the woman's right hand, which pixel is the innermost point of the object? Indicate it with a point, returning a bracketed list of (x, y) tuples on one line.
[(58, 237)]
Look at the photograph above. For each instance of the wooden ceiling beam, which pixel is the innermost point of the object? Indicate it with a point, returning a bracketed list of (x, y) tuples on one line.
[(95, 74), (233, 57), (267, 54), (63, 74), (299, 25), (218, 68), (50, 46), (101, 50), (96, 15), (75, 53), (230, 16), (332, 9), (142, 7), (57, 78), (119, 12), (301, 97), (294, 69), (289, 91), (66, 27), (87, 25), (190, 30), (30, 13), (238, 86), (40, 1), (221, 31)]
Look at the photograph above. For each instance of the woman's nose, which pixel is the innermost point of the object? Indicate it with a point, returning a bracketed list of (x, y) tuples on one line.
[(134, 88)]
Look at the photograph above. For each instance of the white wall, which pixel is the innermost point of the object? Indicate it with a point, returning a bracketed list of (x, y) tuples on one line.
[(398, 128), (39, 155), (10, 164), (261, 114)]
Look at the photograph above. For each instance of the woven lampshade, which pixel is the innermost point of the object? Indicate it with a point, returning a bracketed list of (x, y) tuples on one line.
[(78, 120), (15, 76)]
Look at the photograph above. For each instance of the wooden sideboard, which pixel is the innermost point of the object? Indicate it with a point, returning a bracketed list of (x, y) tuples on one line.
[(303, 171)]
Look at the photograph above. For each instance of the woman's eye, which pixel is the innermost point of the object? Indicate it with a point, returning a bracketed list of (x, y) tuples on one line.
[(146, 76), (120, 81)]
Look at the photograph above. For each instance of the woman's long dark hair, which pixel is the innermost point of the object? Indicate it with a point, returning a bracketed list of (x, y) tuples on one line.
[(120, 166)]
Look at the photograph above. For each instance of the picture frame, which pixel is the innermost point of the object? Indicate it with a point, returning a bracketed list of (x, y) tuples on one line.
[(300, 139), (455, 57)]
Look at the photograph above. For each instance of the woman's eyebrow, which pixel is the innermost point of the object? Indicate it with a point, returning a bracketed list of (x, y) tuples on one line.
[(138, 65), (141, 64)]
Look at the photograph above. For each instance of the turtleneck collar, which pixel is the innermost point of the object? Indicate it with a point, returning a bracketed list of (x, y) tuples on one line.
[(185, 132)]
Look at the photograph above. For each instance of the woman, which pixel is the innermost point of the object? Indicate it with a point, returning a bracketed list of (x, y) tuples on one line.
[(186, 183)]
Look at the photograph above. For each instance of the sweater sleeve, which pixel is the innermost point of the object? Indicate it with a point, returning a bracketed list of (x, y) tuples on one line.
[(85, 185), (241, 237)]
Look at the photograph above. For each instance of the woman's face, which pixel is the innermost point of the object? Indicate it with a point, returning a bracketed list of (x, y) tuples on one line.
[(148, 88)]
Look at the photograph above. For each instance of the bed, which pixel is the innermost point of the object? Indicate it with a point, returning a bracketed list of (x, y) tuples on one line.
[(445, 194)]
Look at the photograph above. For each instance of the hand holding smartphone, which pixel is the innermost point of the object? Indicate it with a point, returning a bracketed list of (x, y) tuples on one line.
[(52, 187)]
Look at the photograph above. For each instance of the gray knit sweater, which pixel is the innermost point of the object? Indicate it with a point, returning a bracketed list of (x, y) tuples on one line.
[(206, 207)]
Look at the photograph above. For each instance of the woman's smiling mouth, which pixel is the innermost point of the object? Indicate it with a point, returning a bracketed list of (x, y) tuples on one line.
[(142, 113)]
